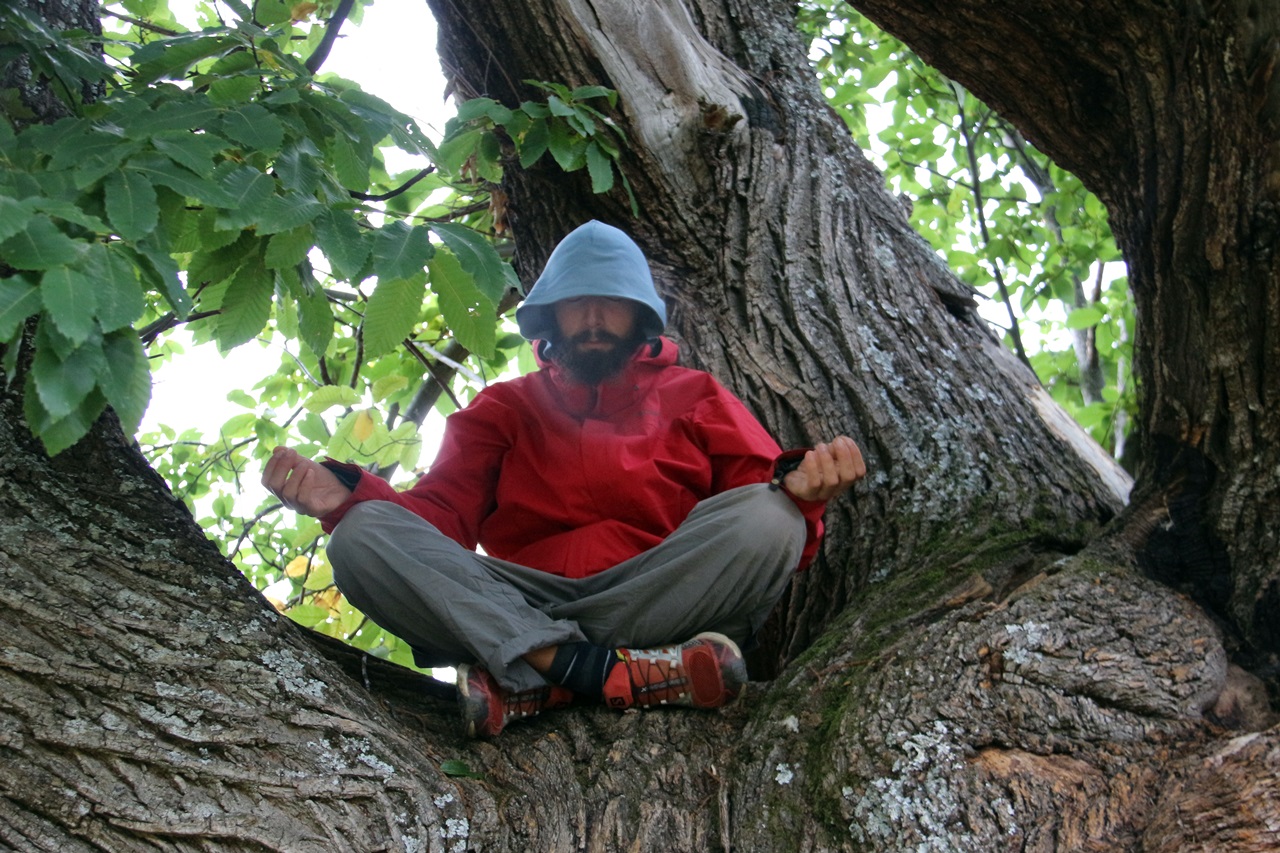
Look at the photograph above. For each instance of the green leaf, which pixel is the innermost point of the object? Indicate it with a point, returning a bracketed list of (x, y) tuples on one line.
[(213, 238), (14, 215), (350, 165), (183, 116), (210, 267), (312, 428), (489, 158), (70, 141), (583, 93), (64, 383), (478, 258), (315, 319), (126, 383), (161, 272), (533, 144), (467, 311), (475, 108), (391, 314), (307, 615), (343, 242), (296, 166), (69, 301), (246, 306), (559, 107), (320, 577), (73, 213), (388, 385), (19, 299), (164, 172), (131, 204), (40, 246), (342, 445), (248, 190), (289, 248), (241, 398), (401, 252), (1083, 318), (566, 147), (254, 127), (281, 213), (195, 151), (57, 434), (327, 396), (600, 167), (456, 149), (172, 56), (454, 767)]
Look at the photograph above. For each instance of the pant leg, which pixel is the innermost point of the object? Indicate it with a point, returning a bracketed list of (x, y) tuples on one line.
[(451, 604), (722, 570)]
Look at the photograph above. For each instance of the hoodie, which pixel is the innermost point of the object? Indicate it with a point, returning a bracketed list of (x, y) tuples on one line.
[(594, 260)]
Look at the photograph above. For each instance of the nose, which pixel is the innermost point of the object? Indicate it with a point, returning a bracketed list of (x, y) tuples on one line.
[(593, 313)]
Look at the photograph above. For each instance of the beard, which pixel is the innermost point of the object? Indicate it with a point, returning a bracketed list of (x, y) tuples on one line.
[(592, 366)]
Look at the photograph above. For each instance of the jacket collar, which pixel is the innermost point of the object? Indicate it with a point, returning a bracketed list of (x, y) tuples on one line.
[(606, 398)]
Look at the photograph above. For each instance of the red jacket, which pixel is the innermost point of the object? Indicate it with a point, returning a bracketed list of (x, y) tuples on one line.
[(573, 479)]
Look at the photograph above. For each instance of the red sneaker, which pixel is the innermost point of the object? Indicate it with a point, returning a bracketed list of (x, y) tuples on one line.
[(487, 707), (705, 672)]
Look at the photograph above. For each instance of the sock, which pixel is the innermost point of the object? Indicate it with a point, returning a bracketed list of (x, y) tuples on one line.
[(582, 668)]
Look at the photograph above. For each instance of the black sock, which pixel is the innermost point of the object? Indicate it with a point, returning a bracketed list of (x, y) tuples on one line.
[(582, 668)]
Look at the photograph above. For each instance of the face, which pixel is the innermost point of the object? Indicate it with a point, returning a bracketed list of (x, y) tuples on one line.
[(595, 323), (597, 335)]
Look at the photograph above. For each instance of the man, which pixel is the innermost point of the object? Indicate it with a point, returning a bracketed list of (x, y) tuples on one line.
[(623, 504)]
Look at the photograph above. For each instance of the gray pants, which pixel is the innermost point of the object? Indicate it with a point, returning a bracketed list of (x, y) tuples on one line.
[(722, 570)]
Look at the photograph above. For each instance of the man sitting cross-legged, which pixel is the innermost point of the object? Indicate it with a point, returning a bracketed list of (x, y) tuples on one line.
[(637, 522)]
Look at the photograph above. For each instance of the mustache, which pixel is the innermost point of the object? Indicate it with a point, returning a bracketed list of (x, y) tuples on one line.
[(595, 336)]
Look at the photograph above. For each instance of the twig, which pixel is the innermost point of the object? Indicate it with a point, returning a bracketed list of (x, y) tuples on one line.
[(395, 192)]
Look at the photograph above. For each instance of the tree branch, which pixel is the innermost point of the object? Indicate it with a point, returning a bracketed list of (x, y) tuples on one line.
[(330, 36)]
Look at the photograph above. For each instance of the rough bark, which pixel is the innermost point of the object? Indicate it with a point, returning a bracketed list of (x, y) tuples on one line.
[(955, 672), (1170, 112)]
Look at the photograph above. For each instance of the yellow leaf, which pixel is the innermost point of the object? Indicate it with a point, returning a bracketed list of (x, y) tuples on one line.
[(297, 567), (328, 599), (302, 11), (363, 428)]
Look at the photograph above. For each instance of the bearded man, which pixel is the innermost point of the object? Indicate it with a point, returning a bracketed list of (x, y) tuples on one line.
[(637, 523)]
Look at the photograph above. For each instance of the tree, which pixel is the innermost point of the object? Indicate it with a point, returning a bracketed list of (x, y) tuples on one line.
[(974, 662)]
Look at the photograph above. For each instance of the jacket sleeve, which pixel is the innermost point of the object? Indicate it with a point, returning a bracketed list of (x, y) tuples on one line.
[(742, 452), (457, 492)]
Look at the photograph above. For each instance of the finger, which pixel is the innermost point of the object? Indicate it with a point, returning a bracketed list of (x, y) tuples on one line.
[(277, 469), (812, 468), (828, 472), (849, 460), (296, 484)]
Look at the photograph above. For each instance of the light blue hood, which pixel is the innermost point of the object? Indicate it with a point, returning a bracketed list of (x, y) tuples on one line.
[(593, 260)]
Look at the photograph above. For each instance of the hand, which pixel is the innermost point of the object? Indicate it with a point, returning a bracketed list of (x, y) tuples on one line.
[(827, 471), (303, 485)]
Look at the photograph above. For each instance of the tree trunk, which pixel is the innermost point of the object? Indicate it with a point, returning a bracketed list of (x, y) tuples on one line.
[(1170, 113), (957, 671)]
